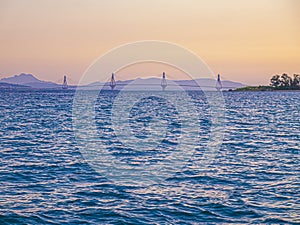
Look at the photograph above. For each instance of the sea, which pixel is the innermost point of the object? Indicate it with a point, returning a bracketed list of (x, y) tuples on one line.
[(50, 175)]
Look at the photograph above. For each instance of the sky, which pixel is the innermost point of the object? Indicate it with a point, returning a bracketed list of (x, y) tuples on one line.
[(245, 41)]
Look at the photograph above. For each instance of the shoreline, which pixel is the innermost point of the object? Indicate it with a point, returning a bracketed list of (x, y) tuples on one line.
[(264, 91)]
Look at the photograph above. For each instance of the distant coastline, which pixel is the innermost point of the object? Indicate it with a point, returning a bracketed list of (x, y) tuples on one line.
[(30, 82), (282, 82), (262, 88), (277, 83)]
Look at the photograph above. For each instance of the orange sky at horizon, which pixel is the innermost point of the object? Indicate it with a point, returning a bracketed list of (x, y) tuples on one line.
[(245, 41)]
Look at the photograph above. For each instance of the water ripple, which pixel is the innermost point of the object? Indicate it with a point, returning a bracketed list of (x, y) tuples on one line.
[(254, 178)]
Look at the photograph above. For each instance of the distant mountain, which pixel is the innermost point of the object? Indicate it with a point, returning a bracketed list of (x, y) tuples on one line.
[(105, 85), (12, 86), (30, 81), (20, 79), (206, 83), (154, 84)]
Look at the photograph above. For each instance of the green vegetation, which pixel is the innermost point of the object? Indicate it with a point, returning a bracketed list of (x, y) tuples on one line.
[(278, 82), (285, 82), (256, 88)]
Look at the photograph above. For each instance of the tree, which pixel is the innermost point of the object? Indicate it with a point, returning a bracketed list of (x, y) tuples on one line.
[(296, 81), (275, 81), (286, 81)]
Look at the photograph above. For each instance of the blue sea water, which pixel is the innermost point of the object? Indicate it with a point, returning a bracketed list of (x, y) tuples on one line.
[(254, 177)]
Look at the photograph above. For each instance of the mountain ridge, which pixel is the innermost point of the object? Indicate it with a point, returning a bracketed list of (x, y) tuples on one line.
[(31, 81)]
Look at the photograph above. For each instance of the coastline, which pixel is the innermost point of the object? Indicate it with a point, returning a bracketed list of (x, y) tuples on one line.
[(263, 91), (265, 88)]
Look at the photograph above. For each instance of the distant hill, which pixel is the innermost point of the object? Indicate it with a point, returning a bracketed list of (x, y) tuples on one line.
[(20, 79), (154, 84), (12, 86), (206, 83), (30, 81)]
